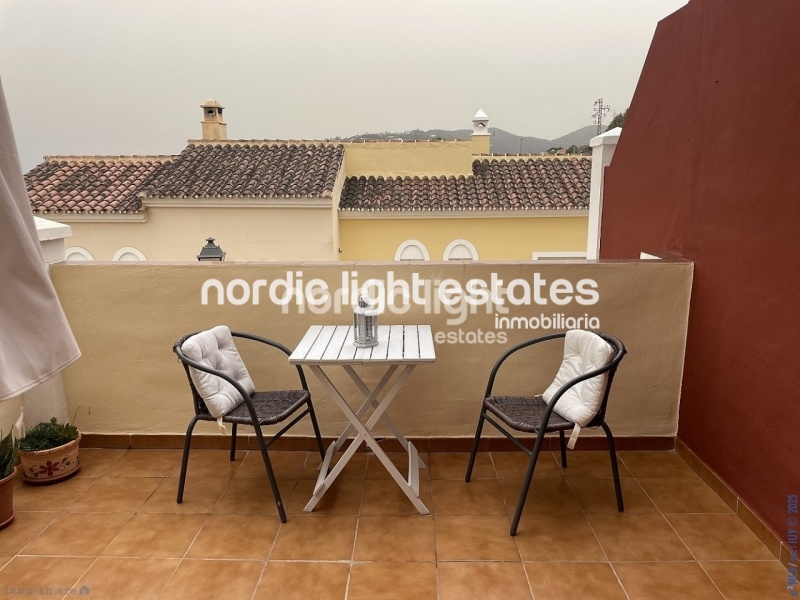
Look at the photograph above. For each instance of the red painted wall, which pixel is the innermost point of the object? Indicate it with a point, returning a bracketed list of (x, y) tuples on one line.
[(708, 167)]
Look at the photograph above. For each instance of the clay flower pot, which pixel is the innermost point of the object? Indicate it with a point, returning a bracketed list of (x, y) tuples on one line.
[(49, 466), (7, 499)]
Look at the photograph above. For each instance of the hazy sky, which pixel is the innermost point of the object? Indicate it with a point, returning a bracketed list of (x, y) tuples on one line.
[(128, 76)]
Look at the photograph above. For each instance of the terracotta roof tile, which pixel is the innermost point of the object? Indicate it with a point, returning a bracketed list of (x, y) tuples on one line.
[(97, 184), (249, 169), (517, 184)]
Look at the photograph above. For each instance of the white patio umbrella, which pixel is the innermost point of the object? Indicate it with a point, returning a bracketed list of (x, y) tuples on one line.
[(35, 339)]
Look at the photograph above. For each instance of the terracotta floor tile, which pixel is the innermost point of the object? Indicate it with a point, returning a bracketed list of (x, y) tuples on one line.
[(590, 463), (656, 464), (749, 580), (303, 581), (343, 498), (512, 466), (96, 462), (638, 538), (200, 496), (683, 495), (545, 497), (666, 581), (385, 498), (557, 538), (376, 470), (596, 495), (128, 578), (398, 539), (212, 463), (146, 463), (453, 465), (115, 494), (574, 580), (235, 537), (474, 537), (28, 576), (252, 497), (484, 580), (478, 497), (24, 527), (156, 536), (56, 496), (84, 534), (366, 539), (356, 468), (213, 579), (718, 537), (315, 538), (392, 581), (285, 465)]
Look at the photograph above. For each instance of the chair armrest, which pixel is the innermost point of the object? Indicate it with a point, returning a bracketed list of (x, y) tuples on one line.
[(508, 353), (609, 367), (274, 344)]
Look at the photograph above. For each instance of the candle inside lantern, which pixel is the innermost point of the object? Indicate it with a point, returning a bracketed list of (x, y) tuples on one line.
[(365, 324)]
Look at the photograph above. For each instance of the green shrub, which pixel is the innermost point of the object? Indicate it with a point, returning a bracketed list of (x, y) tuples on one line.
[(48, 434), (8, 455)]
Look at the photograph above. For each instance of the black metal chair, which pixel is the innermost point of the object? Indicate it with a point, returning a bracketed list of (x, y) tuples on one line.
[(257, 410), (531, 414)]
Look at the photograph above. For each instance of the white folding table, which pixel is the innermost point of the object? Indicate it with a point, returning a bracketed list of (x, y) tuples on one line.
[(400, 348)]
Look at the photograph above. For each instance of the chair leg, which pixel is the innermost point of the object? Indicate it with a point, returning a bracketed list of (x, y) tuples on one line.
[(563, 441), (614, 468), (526, 484), (475, 445), (233, 443), (187, 444), (317, 434), (270, 474)]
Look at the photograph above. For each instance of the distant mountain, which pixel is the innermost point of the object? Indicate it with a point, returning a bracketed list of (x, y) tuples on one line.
[(503, 142), (579, 138)]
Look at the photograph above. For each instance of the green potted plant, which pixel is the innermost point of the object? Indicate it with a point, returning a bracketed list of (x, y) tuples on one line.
[(8, 469), (48, 452)]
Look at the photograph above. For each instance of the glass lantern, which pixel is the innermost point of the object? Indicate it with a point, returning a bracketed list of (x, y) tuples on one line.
[(365, 324)]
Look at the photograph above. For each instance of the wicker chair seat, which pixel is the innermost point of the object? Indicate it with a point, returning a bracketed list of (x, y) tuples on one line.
[(271, 407), (525, 413)]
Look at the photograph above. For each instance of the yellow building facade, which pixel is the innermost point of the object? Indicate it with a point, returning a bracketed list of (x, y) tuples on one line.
[(318, 200)]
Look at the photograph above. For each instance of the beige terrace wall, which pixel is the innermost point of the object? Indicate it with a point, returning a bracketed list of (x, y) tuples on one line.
[(127, 316)]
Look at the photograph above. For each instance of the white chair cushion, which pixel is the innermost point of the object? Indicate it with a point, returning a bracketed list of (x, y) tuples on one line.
[(215, 348), (583, 352)]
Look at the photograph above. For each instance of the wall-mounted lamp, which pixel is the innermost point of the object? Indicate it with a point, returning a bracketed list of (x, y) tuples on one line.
[(211, 252)]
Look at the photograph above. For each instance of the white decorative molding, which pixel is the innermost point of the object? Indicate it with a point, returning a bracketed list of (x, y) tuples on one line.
[(74, 252), (457, 249), (462, 214), (302, 202), (96, 217), (412, 250), (603, 147), (128, 254)]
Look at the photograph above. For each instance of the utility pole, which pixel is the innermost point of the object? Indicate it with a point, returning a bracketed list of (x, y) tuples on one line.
[(600, 111)]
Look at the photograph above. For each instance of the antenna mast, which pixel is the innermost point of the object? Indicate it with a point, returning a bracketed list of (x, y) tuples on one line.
[(600, 111)]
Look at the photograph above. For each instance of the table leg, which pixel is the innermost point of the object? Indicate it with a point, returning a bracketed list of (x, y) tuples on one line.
[(410, 488), (371, 398)]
